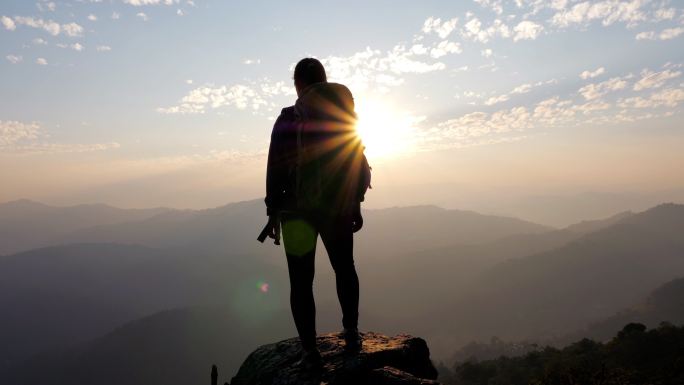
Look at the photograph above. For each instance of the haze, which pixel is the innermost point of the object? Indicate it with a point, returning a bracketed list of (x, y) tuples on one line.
[(171, 103)]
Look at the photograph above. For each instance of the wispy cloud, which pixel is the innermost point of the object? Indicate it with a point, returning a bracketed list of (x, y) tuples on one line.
[(592, 74), (521, 89), (666, 34), (595, 90), (8, 23), (27, 138), (439, 27), (607, 12), (253, 97), (50, 26), (14, 59), (669, 97), (652, 79), (139, 3), (12, 132), (591, 105)]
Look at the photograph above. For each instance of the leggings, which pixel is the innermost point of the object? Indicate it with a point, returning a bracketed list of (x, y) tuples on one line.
[(300, 232)]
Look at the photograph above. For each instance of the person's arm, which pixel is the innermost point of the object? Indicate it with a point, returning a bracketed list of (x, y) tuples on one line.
[(363, 184), (276, 177), (276, 169)]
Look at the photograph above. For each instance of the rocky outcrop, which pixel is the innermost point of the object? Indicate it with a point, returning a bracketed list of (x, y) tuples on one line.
[(383, 360)]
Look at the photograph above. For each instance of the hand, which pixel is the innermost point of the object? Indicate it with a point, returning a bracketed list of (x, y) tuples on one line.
[(357, 218), (274, 228)]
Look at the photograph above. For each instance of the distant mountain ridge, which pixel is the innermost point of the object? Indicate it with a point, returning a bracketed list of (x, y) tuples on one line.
[(234, 227), (26, 224)]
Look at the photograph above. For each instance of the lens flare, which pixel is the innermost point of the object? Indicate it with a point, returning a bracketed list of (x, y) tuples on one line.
[(385, 131), (263, 286)]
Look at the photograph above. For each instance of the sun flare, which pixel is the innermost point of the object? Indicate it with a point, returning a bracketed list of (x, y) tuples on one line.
[(385, 131)]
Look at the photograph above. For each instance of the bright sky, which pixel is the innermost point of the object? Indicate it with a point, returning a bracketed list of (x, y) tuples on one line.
[(171, 102)]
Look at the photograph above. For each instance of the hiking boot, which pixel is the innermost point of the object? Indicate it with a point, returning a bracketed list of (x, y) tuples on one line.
[(352, 340), (311, 359)]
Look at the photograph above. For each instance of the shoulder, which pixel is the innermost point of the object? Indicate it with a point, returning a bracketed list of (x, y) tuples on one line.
[(287, 114), (285, 120)]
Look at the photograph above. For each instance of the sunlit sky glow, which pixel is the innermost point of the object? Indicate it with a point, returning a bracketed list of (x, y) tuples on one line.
[(171, 102)]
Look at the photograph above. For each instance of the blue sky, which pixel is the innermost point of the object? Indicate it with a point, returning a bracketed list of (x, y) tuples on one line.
[(143, 102)]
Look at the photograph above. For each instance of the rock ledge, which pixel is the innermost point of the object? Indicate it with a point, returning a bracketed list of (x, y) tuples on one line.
[(383, 360)]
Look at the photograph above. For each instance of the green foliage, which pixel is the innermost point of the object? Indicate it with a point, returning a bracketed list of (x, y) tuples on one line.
[(634, 356)]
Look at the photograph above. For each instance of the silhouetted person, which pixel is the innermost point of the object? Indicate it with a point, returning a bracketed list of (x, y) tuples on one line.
[(214, 375), (316, 179)]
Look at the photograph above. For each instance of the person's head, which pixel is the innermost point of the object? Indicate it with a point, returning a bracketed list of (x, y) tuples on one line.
[(307, 72)]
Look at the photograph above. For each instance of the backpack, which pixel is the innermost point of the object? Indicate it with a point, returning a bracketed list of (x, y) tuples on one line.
[(331, 172)]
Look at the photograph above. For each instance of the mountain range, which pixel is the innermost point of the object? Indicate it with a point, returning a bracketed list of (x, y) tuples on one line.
[(196, 286)]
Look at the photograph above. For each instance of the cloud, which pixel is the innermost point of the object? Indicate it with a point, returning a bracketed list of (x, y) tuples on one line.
[(22, 138), (72, 29), (527, 30), (607, 11), (12, 132), (92, 17), (242, 97), (8, 23), (587, 107), (473, 30), (592, 74), (115, 16), (670, 33), (373, 67), (596, 90), (664, 14), (650, 79), (445, 47), (666, 34), (138, 3), (142, 16), (63, 148), (485, 128), (252, 61), (475, 126), (442, 29), (669, 97), (51, 27), (39, 41), (103, 48), (496, 99), (14, 59), (359, 71), (521, 89), (77, 47), (494, 5), (648, 35), (49, 6), (41, 61)]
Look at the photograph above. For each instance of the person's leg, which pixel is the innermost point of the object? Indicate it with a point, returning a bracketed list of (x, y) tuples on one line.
[(338, 239), (299, 239)]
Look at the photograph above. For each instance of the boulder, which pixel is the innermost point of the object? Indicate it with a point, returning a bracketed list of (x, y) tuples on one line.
[(383, 360)]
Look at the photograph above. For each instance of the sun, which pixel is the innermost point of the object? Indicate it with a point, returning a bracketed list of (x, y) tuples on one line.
[(384, 130)]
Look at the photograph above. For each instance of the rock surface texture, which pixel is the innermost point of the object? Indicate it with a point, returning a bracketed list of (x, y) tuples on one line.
[(383, 360)]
